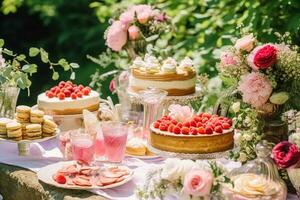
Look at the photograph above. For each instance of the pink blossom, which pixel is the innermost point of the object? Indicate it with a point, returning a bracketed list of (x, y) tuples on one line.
[(112, 85), (198, 183), (256, 89), (134, 32), (229, 59), (180, 113), (143, 12), (116, 36), (245, 43)]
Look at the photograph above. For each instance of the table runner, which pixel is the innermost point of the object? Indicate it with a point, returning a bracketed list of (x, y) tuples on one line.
[(47, 153)]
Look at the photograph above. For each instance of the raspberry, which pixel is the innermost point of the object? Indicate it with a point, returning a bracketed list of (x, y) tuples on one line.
[(179, 124), (62, 83), (163, 127), (156, 124), (67, 93), (193, 131), (80, 87), (159, 120), (61, 179), (229, 121), (197, 119), (218, 129), (199, 124), (171, 128), (89, 89), (166, 117), (208, 130), (205, 119), (69, 82), (61, 96), (73, 96), (226, 125), (207, 115), (50, 94), (53, 89), (85, 92), (79, 94), (173, 121), (193, 123), (201, 130), (176, 130), (200, 114), (70, 88), (187, 124), (185, 130)]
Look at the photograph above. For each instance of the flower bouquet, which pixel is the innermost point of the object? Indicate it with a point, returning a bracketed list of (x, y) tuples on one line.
[(184, 178), (15, 72), (261, 80)]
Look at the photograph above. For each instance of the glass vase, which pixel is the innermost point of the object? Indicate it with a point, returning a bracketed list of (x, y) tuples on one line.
[(8, 101)]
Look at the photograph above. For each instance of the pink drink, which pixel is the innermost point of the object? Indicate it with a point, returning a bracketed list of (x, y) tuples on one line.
[(115, 147), (83, 150), (99, 147)]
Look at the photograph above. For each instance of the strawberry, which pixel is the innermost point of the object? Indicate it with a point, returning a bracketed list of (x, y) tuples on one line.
[(205, 119), (199, 124), (57, 91), (88, 88), (70, 88), (67, 93), (207, 115), (179, 124), (229, 121), (62, 83), (185, 130), (163, 127), (218, 129), (80, 87), (53, 89), (187, 124), (193, 123), (166, 117), (61, 96), (218, 123), (171, 128), (85, 92), (208, 130), (197, 119), (73, 96), (159, 120), (156, 124), (79, 94), (201, 130), (50, 94), (173, 121), (193, 131), (226, 125), (200, 114), (69, 82), (61, 179), (176, 130)]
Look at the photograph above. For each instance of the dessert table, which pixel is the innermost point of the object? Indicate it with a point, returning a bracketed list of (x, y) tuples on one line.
[(13, 174)]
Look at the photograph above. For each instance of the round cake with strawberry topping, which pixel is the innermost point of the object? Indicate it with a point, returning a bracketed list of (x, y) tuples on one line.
[(182, 131), (68, 98)]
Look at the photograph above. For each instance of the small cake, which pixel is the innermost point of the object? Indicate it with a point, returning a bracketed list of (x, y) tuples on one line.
[(136, 146), (49, 128), (182, 131), (34, 131), (14, 130), (68, 99), (36, 116), (177, 80), (23, 114), (3, 130)]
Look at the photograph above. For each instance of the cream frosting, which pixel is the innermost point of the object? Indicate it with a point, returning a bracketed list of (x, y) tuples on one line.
[(138, 63), (136, 142), (169, 65), (151, 62), (46, 103), (186, 64)]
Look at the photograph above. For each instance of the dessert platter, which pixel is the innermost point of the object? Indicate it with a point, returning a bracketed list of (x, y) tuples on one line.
[(74, 175), (183, 133), (66, 101)]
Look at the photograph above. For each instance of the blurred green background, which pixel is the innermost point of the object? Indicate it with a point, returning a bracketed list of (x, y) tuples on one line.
[(73, 29)]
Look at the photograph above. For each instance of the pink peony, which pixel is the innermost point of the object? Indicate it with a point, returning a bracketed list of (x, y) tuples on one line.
[(198, 183), (134, 32), (286, 154), (262, 57), (116, 36), (256, 89), (229, 59), (245, 43), (180, 113)]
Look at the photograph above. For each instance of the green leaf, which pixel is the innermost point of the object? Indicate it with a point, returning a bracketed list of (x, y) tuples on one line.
[(55, 76), (33, 51), (7, 72), (21, 83), (62, 62), (74, 65), (279, 98), (44, 56), (8, 52), (1, 43), (72, 77), (21, 57), (30, 68)]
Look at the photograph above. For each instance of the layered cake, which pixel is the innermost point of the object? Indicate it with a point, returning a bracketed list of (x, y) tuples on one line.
[(68, 98), (182, 131), (176, 79)]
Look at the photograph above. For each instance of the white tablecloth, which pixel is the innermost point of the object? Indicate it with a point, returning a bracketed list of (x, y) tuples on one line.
[(48, 153)]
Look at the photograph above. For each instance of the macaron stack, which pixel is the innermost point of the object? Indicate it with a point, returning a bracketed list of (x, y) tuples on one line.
[(34, 131), (14, 130), (37, 116), (23, 114), (3, 130), (49, 128)]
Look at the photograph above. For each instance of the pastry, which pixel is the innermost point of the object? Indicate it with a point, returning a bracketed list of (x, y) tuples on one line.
[(14, 130), (136, 146), (49, 128), (36, 116), (23, 114), (3, 131), (49, 117), (34, 131), (176, 79), (24, 134), (68, 99)]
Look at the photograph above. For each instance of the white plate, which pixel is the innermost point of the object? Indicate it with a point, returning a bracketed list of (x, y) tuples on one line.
[(144, 157), (45, 175)]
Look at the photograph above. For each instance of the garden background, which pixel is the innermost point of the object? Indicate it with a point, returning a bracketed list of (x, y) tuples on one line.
[(75, 29)]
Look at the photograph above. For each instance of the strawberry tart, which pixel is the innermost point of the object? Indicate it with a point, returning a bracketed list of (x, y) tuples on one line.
[(182, 131), (68, 98)]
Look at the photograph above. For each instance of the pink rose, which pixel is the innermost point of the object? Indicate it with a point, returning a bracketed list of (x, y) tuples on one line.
[(256, 89), (116, 36), (127, 18), (229, 59), (198, 183), (134, 32), (262, 57), (124, 78), (286, 154), (143, 12), (112, 85), (245, 43), (180, 113)]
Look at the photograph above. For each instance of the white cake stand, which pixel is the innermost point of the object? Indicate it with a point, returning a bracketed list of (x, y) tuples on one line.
[(24, 145)]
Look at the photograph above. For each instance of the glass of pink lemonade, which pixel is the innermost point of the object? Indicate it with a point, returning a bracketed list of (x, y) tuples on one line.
[(83, 146), (99, 145), (115, 137)]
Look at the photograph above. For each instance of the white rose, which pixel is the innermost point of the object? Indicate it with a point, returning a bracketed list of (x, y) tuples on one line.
[(242, 157), (245, 43), (247, 120), (236, 107), (237, 137)]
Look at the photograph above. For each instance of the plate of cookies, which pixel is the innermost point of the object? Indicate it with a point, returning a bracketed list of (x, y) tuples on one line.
[(27, 126)]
